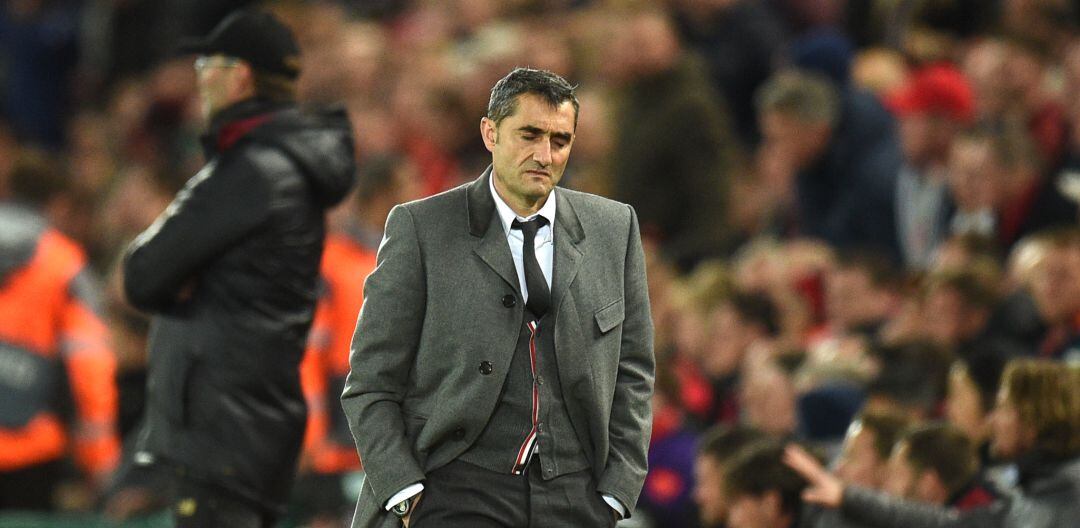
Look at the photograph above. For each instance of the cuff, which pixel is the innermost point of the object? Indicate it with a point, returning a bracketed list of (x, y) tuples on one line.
[(615, 505), (410, 491)]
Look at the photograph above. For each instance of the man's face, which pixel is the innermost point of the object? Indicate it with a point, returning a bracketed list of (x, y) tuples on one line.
[(530, 148), (1055, 284), (748, 511), (1008, 436), (217, 77), (730, 338), (926, 138), (902, 477), (859, 462), (851, 298), (797, 142), (963, 406), (944, 310), (709, 490), (973, 176)]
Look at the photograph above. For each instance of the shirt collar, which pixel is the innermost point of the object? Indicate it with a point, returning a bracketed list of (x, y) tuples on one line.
[(507, 215)]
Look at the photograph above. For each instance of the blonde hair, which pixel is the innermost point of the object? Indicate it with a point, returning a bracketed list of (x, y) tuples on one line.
[(1046, 395)]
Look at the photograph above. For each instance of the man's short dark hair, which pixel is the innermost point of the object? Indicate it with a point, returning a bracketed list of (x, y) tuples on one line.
[(984, 368), (553, 88), (757, 309), (913, 373), (875, 265), (968, 285), (887, 426), (943, 449), (376, 175), (807, 96), (36, 177), (724, 442), (759, 469)]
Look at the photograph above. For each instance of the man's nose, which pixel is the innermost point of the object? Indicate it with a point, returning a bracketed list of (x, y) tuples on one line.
[(542, 154)]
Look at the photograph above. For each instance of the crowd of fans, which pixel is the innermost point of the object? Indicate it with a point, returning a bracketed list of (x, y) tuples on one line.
[(860, 217)]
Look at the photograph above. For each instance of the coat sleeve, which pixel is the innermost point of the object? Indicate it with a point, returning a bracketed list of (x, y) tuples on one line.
[(875, 509), (215, 208), (383, 352), (631, 411)]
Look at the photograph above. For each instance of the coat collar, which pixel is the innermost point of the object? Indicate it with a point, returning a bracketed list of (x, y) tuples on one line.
[(481, 206), (494, 250)]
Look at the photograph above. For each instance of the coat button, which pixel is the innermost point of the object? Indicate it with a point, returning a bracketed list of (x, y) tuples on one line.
[(459, 433), (486, 368), (509, 301)]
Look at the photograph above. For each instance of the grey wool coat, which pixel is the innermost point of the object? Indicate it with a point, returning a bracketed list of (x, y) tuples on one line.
[(435, 308)]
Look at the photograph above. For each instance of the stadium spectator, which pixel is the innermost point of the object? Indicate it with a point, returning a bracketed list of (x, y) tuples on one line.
[(678, 184), (763, 492), (845, 167), (936, 464), (719, 446), (1054, 287), (867, 447), (1035, 423), (931, 109)]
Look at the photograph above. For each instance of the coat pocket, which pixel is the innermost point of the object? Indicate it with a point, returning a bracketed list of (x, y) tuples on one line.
[(610, 316)]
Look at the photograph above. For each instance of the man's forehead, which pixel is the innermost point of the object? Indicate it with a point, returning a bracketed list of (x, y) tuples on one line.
[(533, 111)]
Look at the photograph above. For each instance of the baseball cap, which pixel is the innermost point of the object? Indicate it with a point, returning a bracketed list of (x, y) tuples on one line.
[(939, 89), (254, 36)]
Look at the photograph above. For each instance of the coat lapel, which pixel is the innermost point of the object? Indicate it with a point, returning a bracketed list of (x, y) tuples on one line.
[(568, 253), (492, 247)]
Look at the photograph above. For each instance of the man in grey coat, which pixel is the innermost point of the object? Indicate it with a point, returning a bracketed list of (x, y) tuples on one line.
[(502, 366)]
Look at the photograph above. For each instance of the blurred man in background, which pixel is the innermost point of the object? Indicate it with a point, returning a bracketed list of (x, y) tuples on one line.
[(330, 456), (845, 164), (764, 493), (230, 271), (718, 447), (931, 109), (57, 392), (936, 464), (867, 446)]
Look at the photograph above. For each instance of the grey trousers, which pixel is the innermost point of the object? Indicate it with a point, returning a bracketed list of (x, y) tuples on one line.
[(468, 496)]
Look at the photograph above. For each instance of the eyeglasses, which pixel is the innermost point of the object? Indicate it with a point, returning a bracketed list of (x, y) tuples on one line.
[(215, 61)]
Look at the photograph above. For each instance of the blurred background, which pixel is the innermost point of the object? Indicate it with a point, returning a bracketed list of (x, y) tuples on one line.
[(844, 203)]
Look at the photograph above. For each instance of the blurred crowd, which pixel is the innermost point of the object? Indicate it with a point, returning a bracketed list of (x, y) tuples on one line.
[(858, 216)]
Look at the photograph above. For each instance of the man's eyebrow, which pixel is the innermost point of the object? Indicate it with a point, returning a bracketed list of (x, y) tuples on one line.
[(529, 129)]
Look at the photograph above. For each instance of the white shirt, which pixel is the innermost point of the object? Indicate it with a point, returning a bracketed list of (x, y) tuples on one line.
[(543, 243), (545, 256)]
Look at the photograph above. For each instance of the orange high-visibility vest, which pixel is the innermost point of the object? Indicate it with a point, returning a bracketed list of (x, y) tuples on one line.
[(51, 334), (345, 266)]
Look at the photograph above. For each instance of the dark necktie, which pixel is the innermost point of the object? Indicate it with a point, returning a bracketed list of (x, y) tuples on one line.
[(539, 294)]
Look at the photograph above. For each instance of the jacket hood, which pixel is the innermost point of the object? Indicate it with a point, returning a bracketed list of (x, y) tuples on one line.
[(321, 144)]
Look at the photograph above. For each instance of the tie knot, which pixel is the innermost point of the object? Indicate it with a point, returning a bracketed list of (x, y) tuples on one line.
[(529, 228)]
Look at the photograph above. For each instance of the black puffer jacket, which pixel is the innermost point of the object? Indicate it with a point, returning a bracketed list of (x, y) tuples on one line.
[(230, 271), (1049, 497)]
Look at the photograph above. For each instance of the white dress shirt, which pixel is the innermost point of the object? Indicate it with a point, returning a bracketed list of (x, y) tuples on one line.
[(544, 243), (545, 256)]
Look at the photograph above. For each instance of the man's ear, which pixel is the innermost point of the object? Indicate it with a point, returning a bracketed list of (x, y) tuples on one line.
[(489, 132)]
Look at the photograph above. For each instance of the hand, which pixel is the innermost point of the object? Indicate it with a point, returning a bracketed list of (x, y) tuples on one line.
[(823, 488), (415, 503)]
